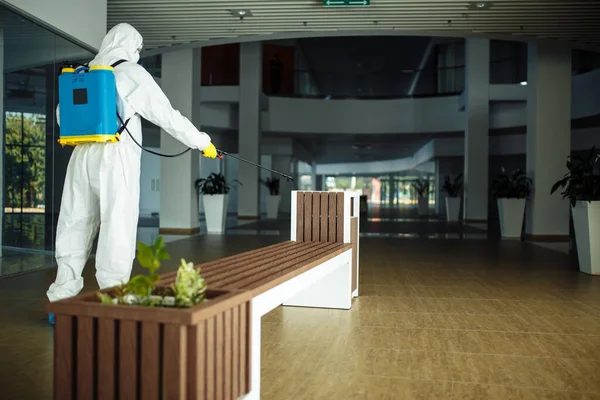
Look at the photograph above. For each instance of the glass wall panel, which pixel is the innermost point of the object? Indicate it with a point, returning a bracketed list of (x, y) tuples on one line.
[(34, 164)]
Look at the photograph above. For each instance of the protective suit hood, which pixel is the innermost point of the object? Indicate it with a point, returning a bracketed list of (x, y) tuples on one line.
[(120, 43)]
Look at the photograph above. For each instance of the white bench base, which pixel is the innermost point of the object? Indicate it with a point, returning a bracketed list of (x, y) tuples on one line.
[(328, 285)]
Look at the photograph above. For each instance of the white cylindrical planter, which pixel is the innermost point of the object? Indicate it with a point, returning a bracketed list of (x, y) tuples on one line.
[(511, 212), (215, 211), (273, 206), (452, 209), (586, 220), (423, 206)]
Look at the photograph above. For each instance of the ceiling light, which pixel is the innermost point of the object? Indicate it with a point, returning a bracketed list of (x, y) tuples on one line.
[(524, 83), (241, 13), (479, 5)]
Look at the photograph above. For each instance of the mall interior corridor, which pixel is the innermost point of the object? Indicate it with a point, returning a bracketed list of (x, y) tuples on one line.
[(444, 312)]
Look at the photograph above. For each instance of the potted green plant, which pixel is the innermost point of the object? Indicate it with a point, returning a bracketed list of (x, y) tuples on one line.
[(214, 190), (423, 188), (452, 188), (188, 289), (273, 198), (581, 186), (511, 192)]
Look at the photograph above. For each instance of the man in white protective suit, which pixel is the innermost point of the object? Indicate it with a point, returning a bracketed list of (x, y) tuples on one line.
[(102, 184)]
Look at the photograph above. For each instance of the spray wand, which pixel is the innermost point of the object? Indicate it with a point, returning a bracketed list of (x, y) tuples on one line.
[(221, 153)]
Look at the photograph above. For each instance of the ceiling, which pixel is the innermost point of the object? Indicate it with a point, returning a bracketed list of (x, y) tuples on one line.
[(167, 22)]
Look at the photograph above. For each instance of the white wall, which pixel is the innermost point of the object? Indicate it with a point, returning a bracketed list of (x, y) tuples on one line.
[(84, 20), (439, 114)]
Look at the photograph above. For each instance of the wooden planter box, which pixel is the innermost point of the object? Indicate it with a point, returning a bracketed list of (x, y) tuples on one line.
[(131, 352)]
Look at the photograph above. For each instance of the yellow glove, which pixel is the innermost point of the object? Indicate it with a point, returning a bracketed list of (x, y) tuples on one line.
[(210, 151)]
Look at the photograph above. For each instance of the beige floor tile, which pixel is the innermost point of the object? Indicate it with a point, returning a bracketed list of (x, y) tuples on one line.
[(527, 372), (364, 387), (464, 391), (422, 365)]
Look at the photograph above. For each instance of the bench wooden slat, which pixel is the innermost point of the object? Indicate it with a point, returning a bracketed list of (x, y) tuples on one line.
[(236, 362), (128, 359), (246, 271), (241, 262), (264, 275), (300, 217), (228, 320), (196, 366), (106, 358), (260, 286), (150, 373), (340, 218), (324, 222), (246, 265), (174, 367), (63, 357), (307, 218), (316, 216), (219, 356), (245, 352), (223, 262), (211, 355), (331, 217), (85, 356)]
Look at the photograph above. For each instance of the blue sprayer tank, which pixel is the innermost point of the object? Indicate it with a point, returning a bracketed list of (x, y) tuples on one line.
[(88, 105)]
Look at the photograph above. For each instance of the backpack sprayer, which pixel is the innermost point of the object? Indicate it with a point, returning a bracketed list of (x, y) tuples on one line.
[(87, 96)]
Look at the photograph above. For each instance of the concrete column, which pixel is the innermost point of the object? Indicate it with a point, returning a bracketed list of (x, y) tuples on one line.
[(548, 139), (249, 128), (319, 182), (391, 190), (477, 110), (284, 164), (313, 176), (440, 197), (178, 198), (1, 137)]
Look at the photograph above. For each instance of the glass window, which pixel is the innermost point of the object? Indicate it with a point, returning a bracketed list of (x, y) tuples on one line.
[(34, 164)]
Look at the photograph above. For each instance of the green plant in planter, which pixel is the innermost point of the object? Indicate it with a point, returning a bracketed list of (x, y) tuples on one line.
[(514, 186), (273, 185), (452, 187), (214, 184), (141, 286), (582, 182), (189, 287), (422, 187)]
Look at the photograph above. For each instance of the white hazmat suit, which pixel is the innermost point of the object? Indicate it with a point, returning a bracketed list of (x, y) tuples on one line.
[(102, 184)]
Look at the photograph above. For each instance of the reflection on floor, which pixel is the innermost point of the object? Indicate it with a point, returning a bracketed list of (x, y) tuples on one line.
[(436, 319), (382, 222), (16, 261)]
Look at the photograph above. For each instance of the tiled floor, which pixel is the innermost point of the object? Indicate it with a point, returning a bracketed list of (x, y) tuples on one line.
[(444, 320), (436, 319)]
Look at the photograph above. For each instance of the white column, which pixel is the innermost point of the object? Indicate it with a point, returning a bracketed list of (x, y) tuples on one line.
[(249, 128), (313, 176), (477, 110), (283, 164), (548, 138), (178, 198), (1, 136)]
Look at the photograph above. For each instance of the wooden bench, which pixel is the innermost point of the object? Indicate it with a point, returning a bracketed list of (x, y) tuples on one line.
[(318, 267)]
